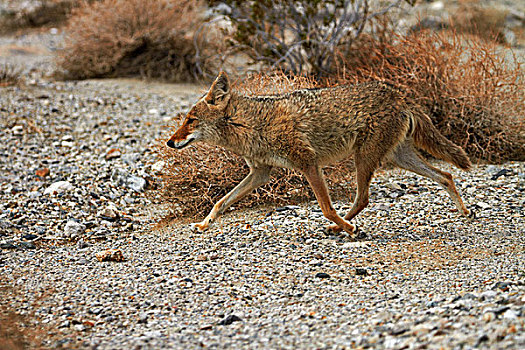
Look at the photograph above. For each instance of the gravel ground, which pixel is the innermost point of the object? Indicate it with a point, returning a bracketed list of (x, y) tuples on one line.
[(424, 277), (76, 162)]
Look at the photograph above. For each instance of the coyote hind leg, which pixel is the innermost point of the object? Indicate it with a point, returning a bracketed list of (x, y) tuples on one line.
[(406, 157), (364, 173), (315, 179)]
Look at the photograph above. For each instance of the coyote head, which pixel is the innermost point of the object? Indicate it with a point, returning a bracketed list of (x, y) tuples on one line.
[(201, 122)]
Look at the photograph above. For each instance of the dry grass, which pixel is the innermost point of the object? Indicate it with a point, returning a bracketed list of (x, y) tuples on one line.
[(473, 94), (10, 75), (195, 178), (147, 38)]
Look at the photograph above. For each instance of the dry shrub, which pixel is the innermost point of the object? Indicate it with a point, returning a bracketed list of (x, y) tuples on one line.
[(148, 38), (473, 94), (9, 74), (195, 178)]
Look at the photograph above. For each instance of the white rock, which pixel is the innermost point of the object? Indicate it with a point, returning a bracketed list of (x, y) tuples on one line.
[(136, 183), (158, 166), (510, 314), (483, 205), (438, 5), (59, 187), (17, 130), (73, 228), (153, 111), (110, 211)]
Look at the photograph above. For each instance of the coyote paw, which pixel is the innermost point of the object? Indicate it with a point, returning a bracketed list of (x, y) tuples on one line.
[(337, 230), (200, 226)]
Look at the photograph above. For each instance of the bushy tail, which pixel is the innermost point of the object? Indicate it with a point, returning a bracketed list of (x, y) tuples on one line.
[(428, 138)]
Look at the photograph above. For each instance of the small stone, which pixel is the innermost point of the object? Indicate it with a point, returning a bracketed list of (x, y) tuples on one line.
[(109, 213), (58, 187), (81, 244), (29, 236), (504, 286), (437, 5), (468, 296), (502, 172), (483, 205), (482, 339), (136, 183), (110, 255), (42, 172), (361, 272), (322, 275), (7, 245), (112, 154), (229, 320), (17, 130), (27, 245), (73, 228), (79, 327), (143, 317), (158, 166), (510, 314), (489, 316), (88, 323)]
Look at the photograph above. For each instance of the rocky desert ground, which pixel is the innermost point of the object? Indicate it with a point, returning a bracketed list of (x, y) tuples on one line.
[(76, 162)]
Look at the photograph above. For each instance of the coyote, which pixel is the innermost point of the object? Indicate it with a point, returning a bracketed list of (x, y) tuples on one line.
[(310, 128)]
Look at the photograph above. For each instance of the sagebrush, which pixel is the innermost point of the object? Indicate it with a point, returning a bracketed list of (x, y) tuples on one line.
[(147, 38)]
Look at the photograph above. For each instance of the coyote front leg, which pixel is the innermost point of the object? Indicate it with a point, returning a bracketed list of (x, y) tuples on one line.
[(258, 176)]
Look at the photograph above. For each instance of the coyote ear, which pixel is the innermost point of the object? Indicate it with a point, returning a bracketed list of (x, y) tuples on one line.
[(219, 90)]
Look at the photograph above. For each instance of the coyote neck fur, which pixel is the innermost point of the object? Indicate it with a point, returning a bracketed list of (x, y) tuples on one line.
[(259, 128)]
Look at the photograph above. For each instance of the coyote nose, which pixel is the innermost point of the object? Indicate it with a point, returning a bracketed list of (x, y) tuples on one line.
[(170, 144)]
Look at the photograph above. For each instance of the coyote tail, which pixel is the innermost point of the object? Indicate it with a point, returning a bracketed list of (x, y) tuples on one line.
[(429, 139)]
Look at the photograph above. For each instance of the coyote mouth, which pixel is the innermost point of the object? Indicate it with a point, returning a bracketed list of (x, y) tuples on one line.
[(181, 144)]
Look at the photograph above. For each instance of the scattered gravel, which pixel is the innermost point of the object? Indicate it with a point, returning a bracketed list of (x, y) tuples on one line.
[(83, 265), (76, 161)]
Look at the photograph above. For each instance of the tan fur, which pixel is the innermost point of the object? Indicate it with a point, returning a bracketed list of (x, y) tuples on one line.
[(307, 129)]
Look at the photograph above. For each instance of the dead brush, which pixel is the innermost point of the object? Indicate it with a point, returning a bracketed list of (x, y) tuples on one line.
[(473, 94), (146, 38), (195, 178), (10, 74)]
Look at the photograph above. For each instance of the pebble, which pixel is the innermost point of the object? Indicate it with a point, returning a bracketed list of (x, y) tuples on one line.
[(110, 255), (228, 320), (58, 187), (73, 228)]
